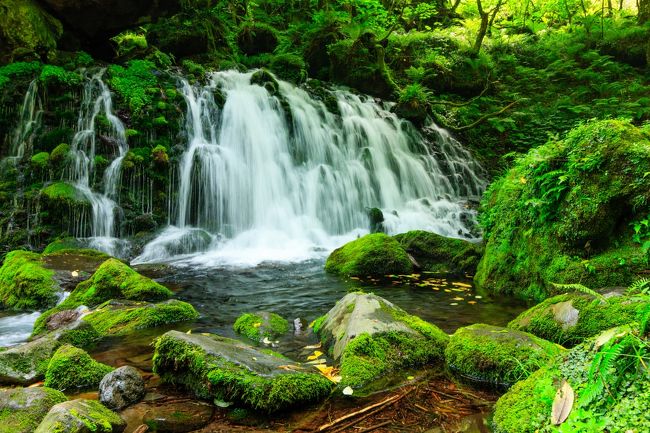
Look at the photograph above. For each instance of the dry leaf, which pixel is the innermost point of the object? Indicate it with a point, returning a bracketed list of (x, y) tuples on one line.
[(562, 404), (290, 367), (316, 355), (315, 346)]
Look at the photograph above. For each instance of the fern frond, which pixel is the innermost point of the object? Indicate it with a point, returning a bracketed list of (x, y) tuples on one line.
[(640, 286), (579, 288)]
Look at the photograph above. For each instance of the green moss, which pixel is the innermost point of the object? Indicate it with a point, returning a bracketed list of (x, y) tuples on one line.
[(160, 121), (62, 195), (26, 28), (81, 415), (211, 374), (374, 254), (440, 254), (61, 244), (18, 70), (159, 155), (40, 160), (71, 368), (575, 199), (259, 326), (316, 324), (22, 409), (51, 74), (115, 318), (495, 355), (548, 319), (25, 284), (132, 83)]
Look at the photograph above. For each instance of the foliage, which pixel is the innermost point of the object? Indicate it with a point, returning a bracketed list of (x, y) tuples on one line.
[(134, 83)]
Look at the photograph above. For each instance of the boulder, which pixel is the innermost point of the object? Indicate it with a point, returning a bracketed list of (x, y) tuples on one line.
[(497, 356), (610, 390), (437, 253), (370, 337), (81, 416), (22, 409), (179, 417), (372, 255), (571, 318), (71, 368), (258, 326), (26, 363), (218, 368), (25, 284), (121, 388)]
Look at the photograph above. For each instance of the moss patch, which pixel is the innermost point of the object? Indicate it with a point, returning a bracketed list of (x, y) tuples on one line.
[(374, 254), (495, 355), (25, 284), (81, 416), (22, 409), (214, 367), (257, 326), (569, 319), (72, 368)]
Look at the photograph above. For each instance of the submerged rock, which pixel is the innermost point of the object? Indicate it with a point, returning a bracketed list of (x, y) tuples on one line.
[(179, 417), (81, 416), (571, 318), (22, 409), (71, 368), (495, 355), (25, 284), (372, 255), (370, 337), (258, 326), (218, 368), (437, 253), (26, 363), (121, 388)]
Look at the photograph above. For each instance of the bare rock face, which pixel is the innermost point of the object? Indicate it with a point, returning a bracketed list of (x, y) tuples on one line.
[(121, 388)]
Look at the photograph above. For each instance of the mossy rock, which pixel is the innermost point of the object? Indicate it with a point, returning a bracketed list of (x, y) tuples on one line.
[(576, 199), (25, 284), (617, 405), (497, 356), (215, 367), (81, 416), (22, 409), (571, 318), (26, 363), (371, 337), (258, 326), (63, 193), (256, 38), (115, 318), (376, 254), (72, 368), (437, 253)]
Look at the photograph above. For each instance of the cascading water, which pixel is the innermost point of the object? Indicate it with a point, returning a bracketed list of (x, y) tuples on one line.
[(97, 100), (281, 178), (30, 119)]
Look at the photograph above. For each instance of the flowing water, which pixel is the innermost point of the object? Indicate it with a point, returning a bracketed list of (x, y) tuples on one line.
[(31, 114), (280, 177)]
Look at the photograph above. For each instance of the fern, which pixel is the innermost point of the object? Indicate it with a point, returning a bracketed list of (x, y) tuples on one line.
[(640, 286), (580, 288)]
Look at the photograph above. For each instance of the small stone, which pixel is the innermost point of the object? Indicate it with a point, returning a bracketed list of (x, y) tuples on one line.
[(121, 388)]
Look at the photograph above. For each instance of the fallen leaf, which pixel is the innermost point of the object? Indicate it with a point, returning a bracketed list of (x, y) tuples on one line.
[(257, 325), (410, 378), (348, 391), (458, 299), (316, 355), (74, 273), (266, 340), (454, 303), (471, 302), (562, 404), (315, 346), (290, 367), (478, 297)]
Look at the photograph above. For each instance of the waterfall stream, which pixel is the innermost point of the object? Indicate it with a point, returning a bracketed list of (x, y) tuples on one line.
[(31, 114), (280, 177)]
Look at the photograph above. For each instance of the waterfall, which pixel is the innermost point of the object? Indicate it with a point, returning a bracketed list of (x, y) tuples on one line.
[(31, 114), (97, 100), (280, 177)]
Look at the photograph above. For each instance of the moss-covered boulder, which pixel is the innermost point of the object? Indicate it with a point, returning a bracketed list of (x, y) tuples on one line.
[(81, 416), (72, 368), (22, 409), (437, 253), (370, 337), (571, 318), (26, 363), (498, 356), (261, 325), (26, 29), (115, 318), (215, 367), (563, 213), (375, 254), (607, 378), (25, 284)]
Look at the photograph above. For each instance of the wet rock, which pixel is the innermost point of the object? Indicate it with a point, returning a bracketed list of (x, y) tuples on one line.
[(22, 409), (495, 355), (26, 363), (219, 368), (179, 417), (121, 388), (376, 217), (370, 337), (81, 416), (261, 325), (571, 318), (71, 368), (61, 319), (375, 254)]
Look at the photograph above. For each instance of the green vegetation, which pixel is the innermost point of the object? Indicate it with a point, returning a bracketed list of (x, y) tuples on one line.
[(493, 355), (71, 368), (22, 409), (258, 326), (374, 254), (81, 415), (25, 284)]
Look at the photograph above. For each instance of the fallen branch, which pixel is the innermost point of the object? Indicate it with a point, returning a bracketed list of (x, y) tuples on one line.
[(375, 427), (461, 104), (484, 118)]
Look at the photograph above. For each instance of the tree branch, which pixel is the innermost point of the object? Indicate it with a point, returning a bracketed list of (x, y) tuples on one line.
[(483, 118)]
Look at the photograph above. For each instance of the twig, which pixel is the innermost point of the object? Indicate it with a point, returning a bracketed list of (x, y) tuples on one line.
[(375, 427), (484, 118)]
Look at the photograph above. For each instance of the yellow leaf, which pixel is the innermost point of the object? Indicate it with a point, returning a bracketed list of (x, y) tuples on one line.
[(522, 180), (316, 355), (257, 325)]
